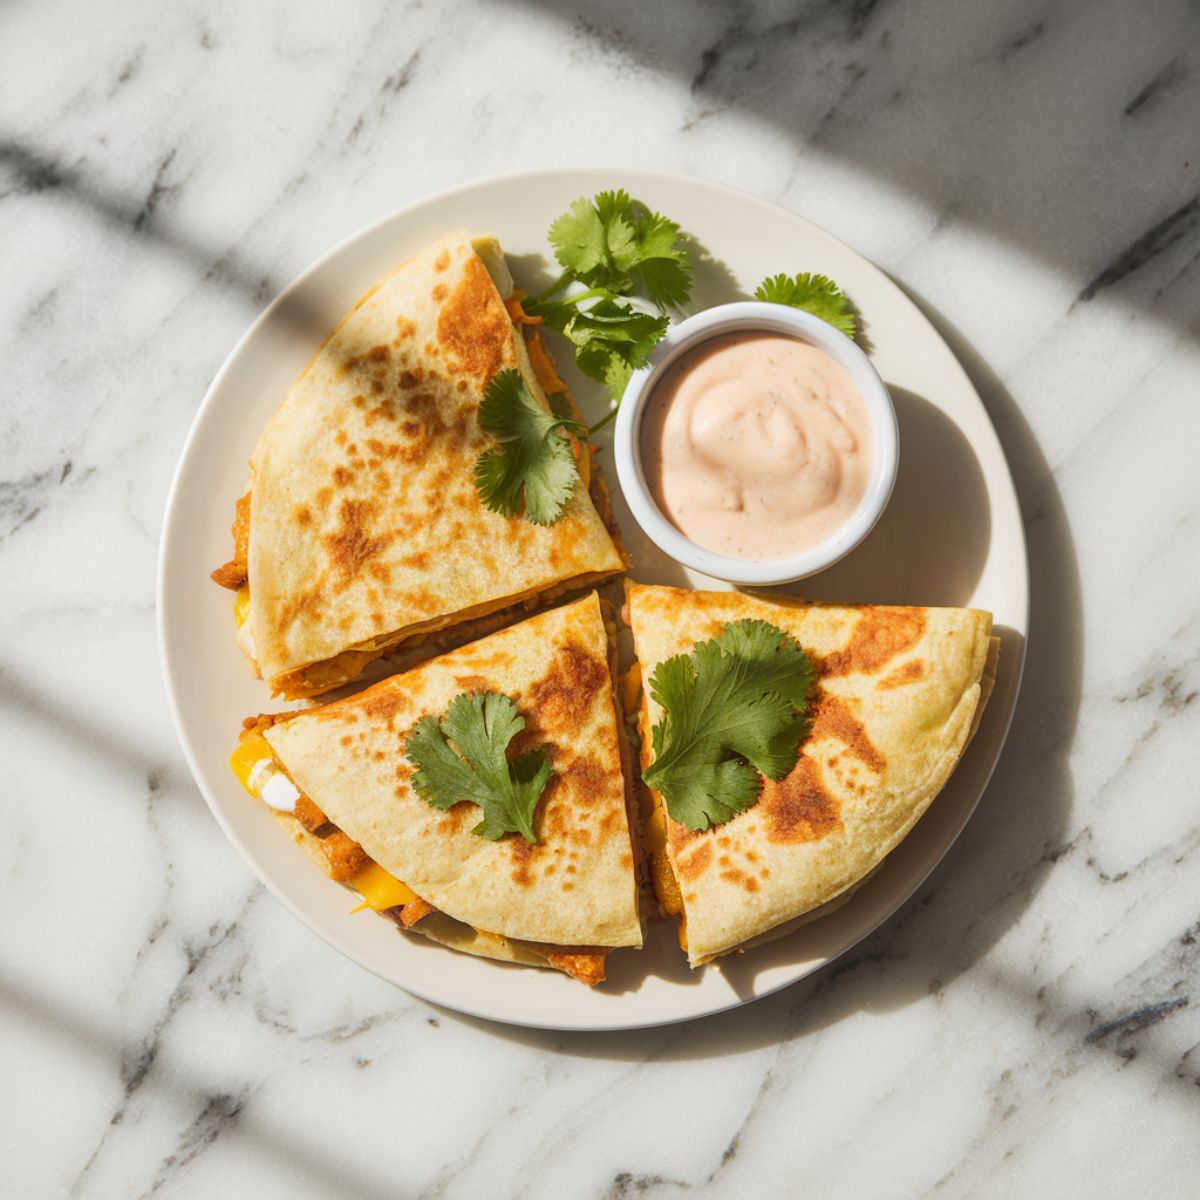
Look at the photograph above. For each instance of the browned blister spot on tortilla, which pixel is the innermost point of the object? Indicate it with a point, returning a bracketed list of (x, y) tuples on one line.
[(302, 514), (880, 634), (473, 325), (588, 784), (741, 879), (439, 293), (453, 819), (383, 705), (833, 719), (423, 600), (692, 864), (353, 544), (524, 854), (442, 261), (911, 672), (564, 696), (799, 808), (473, 683)]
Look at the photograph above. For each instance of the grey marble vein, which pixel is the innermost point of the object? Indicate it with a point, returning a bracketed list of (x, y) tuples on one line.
[(1028, 1024)]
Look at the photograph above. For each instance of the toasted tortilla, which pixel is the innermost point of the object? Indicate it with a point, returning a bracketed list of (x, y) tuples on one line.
[(366, 530), (438, 927), (896, 701), (577, 887)]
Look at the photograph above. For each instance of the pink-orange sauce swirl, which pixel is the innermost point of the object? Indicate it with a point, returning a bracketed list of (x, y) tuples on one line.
[(756, 445)]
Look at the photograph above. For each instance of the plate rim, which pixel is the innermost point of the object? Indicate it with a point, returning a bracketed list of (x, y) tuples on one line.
[(175, 501)]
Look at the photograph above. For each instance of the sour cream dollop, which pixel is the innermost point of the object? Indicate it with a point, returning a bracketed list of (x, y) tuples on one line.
[(756, 445), (272, 786)]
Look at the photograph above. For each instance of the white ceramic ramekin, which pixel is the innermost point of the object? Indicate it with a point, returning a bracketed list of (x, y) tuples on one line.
[(773, 318)]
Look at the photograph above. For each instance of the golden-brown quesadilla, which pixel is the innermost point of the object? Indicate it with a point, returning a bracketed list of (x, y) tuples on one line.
[(894, 695), (346, 781), (363, 528)]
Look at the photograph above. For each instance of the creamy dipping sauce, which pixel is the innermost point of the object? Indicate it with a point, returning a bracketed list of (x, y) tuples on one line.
[(756, 445)]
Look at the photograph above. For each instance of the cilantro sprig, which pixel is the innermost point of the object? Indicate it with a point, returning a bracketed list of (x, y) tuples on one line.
[(533, 461), (462, 757), (816, 294), (623, 269), (733, 711), (617, 243)]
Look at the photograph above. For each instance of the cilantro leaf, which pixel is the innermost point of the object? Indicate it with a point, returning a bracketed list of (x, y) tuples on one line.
[(816, 294), (616, 248), (618, 244), (733, 709), (578, 238), (568, 418), (462, 757), (611, 337), (533, 455), (662, 271)]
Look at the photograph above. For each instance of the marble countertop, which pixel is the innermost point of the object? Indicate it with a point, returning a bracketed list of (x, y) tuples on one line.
[(1029, 1023)]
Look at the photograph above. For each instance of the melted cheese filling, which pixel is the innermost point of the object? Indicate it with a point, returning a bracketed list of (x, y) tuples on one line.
[(259, 772)]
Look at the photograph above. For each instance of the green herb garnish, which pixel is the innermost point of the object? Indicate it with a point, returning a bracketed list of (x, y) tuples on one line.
[(816, 294), (618, 244), (462, 757), (623, 268), (733, 710), (534, 456)]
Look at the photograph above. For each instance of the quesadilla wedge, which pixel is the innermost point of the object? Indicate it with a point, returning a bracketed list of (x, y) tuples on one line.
[(347, 782), (363, 528), (894, 695)]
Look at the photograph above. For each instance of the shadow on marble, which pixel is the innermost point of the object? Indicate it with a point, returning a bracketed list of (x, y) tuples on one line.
[(328, 1170), (85, 734), (999, 863), (1009, 120), (32, 171)]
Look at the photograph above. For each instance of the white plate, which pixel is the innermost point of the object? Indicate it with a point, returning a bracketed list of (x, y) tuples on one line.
[(952, 535)]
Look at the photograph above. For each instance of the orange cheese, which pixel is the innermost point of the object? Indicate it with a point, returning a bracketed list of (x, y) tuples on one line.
[(250, 752), (241, 605), (379, 889)]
